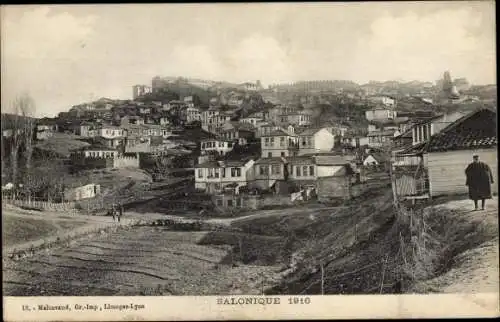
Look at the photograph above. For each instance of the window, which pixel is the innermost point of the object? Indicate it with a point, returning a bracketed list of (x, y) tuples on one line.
[(263, 170), (223, 172), (282, 141), (276, 169), (297, 171), (282, 154), (266, 143), (229, 203), (219, 202), (311, 170), (309, 141), (238, 202), (304, 171), (269, 154), (304, 142), (200, 173)]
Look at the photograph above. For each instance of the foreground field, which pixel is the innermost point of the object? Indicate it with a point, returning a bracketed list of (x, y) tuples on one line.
[(139, 261)]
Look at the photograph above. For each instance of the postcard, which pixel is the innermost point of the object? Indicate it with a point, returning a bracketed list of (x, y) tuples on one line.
[(247, 161)]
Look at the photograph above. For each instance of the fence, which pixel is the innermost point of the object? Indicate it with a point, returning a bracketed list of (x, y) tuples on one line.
[(43, 205)]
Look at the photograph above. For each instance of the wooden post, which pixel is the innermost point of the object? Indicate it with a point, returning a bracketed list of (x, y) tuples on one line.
[(383, 275), (322, 279)]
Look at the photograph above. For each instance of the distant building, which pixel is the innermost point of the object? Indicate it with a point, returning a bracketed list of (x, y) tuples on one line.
[(422, 131), (193, 114), (315, 140), (383, 100), (279, 143), (84, 192), (380, 139), (140, 90), (214, 176), (380, 114), (217, 146)]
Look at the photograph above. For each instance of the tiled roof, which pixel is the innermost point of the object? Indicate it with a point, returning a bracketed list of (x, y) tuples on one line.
[(300, 159), (331, 160), (473, 131), (382, 133), (274, 160), (309, 131), (278, 132), (209, 164), (95, 147)]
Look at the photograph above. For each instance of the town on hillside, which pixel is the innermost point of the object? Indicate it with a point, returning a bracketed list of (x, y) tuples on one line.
[(206, 188)]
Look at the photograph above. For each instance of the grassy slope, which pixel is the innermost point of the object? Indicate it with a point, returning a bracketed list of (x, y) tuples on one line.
[(19, 229)]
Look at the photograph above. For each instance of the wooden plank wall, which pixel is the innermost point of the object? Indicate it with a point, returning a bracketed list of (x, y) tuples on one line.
[(447, 170)]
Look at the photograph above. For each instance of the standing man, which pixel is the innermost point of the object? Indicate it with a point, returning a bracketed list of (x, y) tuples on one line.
[(120, 212), (479, 180)]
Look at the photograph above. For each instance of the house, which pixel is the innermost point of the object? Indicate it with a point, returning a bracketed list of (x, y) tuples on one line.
[(83, 192), (214, 176), (380, 114), (110, 132), (436, 166), (86, 129), (297, 118), (423, 130), (241, 132), (217, 146), (46, 129), (163, 120), (140, 90), (355, 141), (383, 99), (270, 173), (374, 159), (338, 184), (301, 169), (380, 139), (193, 114), (279, 110), (252, 119), (214, 123), (279, 143), (132, 119), (111, 142), (402, 141), (451, 150), (315, 140), (189, 101), (93, 156)]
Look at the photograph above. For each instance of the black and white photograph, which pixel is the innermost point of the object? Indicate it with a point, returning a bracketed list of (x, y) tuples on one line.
[(249, 153)]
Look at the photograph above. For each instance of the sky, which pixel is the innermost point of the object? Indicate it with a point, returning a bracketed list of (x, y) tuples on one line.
[(63, 55)]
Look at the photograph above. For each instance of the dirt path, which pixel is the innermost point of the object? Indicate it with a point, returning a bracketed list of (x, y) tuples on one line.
[(478, 269)]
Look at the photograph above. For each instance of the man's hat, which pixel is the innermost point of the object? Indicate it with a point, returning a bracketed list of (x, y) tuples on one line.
[(475, 156)]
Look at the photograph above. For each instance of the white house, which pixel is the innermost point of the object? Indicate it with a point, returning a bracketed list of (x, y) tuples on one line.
[(83, 192), (278, 143), (214, 176), (110, 132), (383, 99), (380, 139), (423, 131), (442, 159), (193, 114), (380, 114), (315, 140), (216, 146)]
